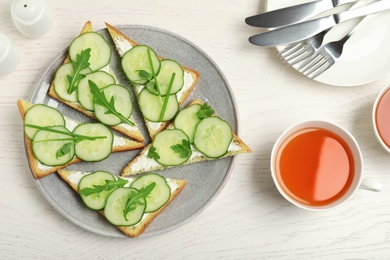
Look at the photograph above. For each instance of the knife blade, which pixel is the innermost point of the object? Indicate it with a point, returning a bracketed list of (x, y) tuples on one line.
[(293, 14), (301, 31)]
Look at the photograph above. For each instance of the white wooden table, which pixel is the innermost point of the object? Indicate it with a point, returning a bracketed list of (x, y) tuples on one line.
[(249, 219)]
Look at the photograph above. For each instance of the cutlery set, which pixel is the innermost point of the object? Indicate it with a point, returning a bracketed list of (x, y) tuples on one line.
[(302, 28)]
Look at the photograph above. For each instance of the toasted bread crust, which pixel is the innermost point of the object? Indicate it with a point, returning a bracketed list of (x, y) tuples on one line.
[(38, 172), (138, 229), (128, 169), (115, 33), (134, 134)]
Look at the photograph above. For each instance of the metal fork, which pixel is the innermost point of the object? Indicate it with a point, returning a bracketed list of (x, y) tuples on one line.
[(297, 52), (327, 55)]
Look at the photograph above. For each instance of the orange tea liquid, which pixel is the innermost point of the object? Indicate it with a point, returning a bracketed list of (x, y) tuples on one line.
[(315, 166), (383, 118)]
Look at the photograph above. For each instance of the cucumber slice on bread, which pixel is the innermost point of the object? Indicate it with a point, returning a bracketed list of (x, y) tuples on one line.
[(95, 200), (100, 49), (122, 103), (137, 59), (101, 79), (93, 150), (42, 115), (46, 145)]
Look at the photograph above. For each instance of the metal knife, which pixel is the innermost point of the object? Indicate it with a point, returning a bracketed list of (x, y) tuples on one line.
[(293, 14), (301, 31)]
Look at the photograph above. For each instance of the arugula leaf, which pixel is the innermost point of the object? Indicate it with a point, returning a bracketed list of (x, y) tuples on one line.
[(152, 153), (205, 111), (184, 149), (145, 75), (81, 63), (136, 198), (64, 150), (101, 99), (164, 107), (110, 185)]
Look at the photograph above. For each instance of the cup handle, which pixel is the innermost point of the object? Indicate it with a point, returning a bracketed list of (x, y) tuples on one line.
[(371, 185)]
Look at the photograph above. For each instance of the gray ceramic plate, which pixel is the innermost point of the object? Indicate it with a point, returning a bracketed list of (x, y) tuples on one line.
[(204, 180)]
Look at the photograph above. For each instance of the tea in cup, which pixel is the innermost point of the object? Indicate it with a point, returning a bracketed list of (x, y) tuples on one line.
[(318, 165), (381, 118)]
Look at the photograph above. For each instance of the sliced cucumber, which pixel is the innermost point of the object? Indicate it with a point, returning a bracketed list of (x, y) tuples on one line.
[(115, 205), (100, 49), (136, 60), (122, 104), (61, 83), (161, 192), (95, 201), (213, 136), (42, 115), (152, 105), (163, 143), (101, 79), (93, 150), (45, 148), (168, 67), (187, 120)]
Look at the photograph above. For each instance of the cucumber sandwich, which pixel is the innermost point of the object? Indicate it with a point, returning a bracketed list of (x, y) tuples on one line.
[(86, 83), (130, 204), (161, 85), (196, 135), (54, 141)]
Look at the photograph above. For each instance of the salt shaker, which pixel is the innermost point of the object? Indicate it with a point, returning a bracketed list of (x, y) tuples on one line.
[(33, 18), (9, 55)]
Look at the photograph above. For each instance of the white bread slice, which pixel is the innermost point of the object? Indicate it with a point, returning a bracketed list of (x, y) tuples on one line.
[(142, 163), (39, 170), (73, 178), (130, 131), (123, 44)]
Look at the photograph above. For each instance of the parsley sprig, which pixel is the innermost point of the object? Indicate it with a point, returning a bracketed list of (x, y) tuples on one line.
[(205, 111), (184, 149), (137, 198), (152, 153), (100, 98), (109, 185), (81, 63)]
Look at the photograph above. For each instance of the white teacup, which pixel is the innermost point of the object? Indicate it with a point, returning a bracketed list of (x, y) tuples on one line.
[(296, 133), (380, 118), (9, 55)]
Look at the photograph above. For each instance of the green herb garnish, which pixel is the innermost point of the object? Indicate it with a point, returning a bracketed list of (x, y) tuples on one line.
[(164, 107), (184, 149), (152, 154), (65, 149), (136, 198), (110, 185), (101, 99), (81, 63), (205, 111)]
